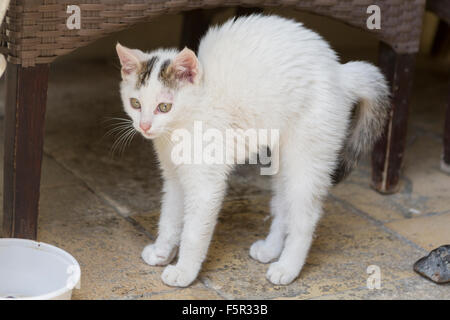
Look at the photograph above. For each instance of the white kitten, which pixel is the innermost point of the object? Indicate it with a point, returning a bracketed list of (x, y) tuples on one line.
[(253, 72)]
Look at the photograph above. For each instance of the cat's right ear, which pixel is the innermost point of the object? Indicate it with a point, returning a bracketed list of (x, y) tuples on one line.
[(129, 59), (185, 67)]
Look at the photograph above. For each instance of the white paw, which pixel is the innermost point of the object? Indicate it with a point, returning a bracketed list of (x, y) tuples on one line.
[(177, 277), (280, 275), (261, 252), (157, 256)]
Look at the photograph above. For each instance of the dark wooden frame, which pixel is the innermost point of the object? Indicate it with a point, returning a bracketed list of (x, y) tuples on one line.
[(26, 95), (387, 155)]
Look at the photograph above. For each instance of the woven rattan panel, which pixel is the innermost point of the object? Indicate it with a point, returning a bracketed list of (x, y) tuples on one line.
[(35, 31)]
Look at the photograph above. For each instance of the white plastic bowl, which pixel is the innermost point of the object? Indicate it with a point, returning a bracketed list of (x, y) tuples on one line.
[(36, 270)]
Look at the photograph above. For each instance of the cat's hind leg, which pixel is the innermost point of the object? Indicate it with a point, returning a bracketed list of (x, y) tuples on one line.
[(305, 165), (269, 249), (164, 249)]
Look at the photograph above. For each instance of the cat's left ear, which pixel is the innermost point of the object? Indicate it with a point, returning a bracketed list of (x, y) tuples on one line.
[(186, 67), (129, 59)]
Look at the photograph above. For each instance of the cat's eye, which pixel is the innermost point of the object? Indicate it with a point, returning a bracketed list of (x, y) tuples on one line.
[(135, 104), (164, 107)]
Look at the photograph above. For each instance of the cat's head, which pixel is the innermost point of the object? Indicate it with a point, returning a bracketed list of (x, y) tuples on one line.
[(154, 87)]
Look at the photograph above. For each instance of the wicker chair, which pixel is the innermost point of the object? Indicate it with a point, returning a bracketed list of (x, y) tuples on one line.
[(35, 34)]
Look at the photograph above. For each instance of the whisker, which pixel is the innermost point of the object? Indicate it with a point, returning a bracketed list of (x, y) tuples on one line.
[(116, 131), (121, 148), (116, 124), (107, 124), (118, 128), (117, 144), (133, 133), (128, 140), (106, 119), (115, 121)]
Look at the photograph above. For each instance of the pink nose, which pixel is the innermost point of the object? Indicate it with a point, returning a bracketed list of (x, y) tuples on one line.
[(145, 126)]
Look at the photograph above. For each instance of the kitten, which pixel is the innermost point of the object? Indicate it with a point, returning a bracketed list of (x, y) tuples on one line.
[(252, 72), (3, 7)]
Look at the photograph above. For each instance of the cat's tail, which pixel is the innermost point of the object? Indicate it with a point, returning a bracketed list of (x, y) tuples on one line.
[(365, 85)]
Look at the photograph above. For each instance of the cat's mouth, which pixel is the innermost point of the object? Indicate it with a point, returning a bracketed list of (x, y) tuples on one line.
[(148, 135)]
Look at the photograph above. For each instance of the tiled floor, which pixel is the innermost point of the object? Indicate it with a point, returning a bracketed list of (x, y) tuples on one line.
[(104, 209)]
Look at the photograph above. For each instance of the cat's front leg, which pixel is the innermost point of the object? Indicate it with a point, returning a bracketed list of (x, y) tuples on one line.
[(164, 249), (270, 248), (204, 190)]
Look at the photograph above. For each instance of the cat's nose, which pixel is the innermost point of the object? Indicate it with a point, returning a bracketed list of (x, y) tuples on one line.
[(145, 126)]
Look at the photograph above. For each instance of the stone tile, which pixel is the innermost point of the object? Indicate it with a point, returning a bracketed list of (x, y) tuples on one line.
[(256, 204), (198, 292), (246, 180), (107, 246), (428, 232), (424, 187), (345, 245), (54, 175), (132, 181), (356, 191), (414, 288), (430, 187), (149, 221)]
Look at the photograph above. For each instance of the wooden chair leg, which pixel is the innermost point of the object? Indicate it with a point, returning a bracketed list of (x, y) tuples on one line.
[(441, 42), (388, 152), (26, 95), (195, 25), (445, 165)]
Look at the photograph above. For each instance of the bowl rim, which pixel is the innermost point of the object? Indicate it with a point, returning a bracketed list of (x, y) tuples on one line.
[(51, 248)]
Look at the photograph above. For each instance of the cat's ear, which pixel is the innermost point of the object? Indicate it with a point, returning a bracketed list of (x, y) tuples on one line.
[(130, 59), (186, 67)]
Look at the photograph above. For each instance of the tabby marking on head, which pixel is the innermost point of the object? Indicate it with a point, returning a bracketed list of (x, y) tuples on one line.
[(146, 71), (167, 75)]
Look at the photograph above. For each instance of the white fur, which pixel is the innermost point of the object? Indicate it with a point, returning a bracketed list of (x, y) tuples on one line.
[(256, 72)]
